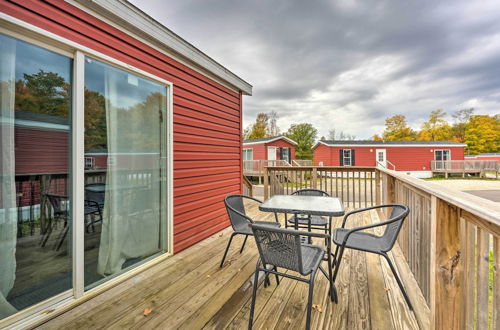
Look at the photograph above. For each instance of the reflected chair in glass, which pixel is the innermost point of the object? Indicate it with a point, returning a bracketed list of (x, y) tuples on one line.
[(283, 248), (59, 212), (357, 239), (240, 221), (94, 203)]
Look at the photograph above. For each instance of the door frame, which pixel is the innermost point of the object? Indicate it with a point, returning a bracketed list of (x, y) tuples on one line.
[(40, 312), (269, 148), (377, 163)]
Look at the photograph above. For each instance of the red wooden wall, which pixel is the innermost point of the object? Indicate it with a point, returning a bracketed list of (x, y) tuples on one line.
[(207, 116), (404, 158)]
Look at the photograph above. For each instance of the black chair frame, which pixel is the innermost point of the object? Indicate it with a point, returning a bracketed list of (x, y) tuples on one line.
[(236, 232), (262, 267), (339, 250)]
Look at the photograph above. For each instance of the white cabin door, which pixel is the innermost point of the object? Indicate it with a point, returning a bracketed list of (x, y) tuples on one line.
[(271, 153), (381, 159)]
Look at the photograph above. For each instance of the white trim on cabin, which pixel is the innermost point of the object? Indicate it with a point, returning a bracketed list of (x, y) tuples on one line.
[(354, 145), (269, 141), (130, 19)]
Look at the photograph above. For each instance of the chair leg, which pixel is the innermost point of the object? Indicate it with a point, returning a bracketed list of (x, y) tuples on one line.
[(227, 249), (244, 242), (333, 291), (309, 300), (66, 229), (254, 295), (337, 264), (400, 284), (277, 277)]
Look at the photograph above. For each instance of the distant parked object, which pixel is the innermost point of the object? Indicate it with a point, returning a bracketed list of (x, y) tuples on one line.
[(412, 157)]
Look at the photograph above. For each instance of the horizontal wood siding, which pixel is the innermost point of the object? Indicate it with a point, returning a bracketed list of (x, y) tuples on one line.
[(207, 116)]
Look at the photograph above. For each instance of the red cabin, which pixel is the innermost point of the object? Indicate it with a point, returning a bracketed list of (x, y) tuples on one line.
[(488, 156), (271, 148), (413, 157)]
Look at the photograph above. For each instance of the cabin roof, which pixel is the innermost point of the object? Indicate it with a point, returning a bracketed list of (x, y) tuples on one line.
[(268, 140), (370, 143)]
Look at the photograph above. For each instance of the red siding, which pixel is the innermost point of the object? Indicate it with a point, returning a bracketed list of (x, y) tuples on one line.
[(479, 157), (259, 151), (404, 158), (207, 116)]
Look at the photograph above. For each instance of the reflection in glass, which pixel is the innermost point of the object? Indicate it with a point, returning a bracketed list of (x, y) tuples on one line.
[(125, 170), (35, 240)]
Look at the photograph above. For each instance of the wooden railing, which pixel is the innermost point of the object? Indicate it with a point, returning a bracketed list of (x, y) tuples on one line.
[(354, 185), (466, 166), (448, 250), (450, 242), (302, 162), (247, 187), (256, 167)]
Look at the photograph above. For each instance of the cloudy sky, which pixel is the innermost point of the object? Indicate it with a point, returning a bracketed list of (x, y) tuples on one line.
[(348, 64)]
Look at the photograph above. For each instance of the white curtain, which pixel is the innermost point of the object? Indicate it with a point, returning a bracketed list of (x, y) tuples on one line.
[(8, 212), (131, 224)]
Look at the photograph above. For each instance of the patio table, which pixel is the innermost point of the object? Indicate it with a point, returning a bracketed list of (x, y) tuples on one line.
[(307, 205)]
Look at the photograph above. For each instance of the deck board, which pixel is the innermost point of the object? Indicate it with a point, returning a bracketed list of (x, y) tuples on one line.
[(190, 291)]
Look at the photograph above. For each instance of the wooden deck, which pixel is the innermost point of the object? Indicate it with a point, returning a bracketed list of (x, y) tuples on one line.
[(189, 291)]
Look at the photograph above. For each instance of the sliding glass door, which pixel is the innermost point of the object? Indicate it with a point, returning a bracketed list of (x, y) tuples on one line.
[(125, 131), (115, 120), (35, 178)]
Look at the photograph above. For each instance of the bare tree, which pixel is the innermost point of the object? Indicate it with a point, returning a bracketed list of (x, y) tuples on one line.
[(273, 126)]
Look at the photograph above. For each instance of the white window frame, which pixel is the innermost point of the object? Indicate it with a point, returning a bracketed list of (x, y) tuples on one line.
[(248, 151), (344, 157), (89, 162), (35, 35), (442, 150)]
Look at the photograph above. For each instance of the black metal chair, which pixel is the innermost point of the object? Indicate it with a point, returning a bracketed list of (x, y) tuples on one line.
[(240, 222), (59, 212), (302, 221), (356, 239), (283, 248)]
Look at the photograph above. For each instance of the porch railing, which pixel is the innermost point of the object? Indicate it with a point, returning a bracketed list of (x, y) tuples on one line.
[(448, 249), (256, 167), (302, 162), (464, 165)]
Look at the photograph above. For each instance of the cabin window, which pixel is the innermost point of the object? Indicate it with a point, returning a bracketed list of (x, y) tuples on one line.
[(248, 154), (347, 157), (89, 162), (285, 154)]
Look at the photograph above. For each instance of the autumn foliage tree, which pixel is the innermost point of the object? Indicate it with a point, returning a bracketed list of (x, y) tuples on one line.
[(259, 129), (397, 129), (436, 128), (482, 134)]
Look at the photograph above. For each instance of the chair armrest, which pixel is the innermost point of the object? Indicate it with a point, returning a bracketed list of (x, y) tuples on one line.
[(344, 220)]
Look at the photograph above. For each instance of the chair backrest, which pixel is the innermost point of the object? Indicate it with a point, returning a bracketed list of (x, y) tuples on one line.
[(311, 192), (279, 247), (56, 201), (235, 207), (398, 215)]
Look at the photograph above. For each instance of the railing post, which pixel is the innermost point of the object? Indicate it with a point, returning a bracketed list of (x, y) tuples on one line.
[(314, 178), (390, 191), (446, 267), (378, 199), (266, 183)]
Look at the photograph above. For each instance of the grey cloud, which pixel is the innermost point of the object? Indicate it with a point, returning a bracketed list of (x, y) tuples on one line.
[(299, 55)]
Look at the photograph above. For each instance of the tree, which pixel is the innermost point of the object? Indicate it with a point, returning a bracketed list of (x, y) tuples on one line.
[(377, 137), (482, 134), (346, 137), (461, 117), (396, 129), (305, 136), (332, 134), (436, 128), (273, 128), (260, 129)]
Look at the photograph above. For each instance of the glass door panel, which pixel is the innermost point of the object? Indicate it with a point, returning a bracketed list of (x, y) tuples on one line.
[(125, 183), (35, 178)]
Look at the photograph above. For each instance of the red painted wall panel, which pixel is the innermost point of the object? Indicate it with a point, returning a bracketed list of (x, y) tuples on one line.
[(207, 115), (260, 150), (404, 158)]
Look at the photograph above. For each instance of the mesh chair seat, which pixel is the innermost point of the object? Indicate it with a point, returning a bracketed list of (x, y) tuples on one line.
[(311, 257), (359, 240), (315, 220), (247, 229)]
